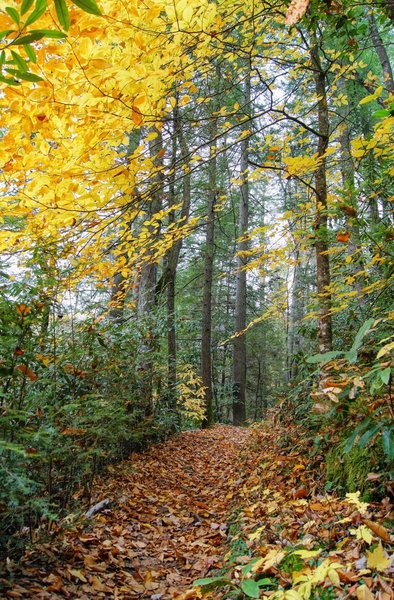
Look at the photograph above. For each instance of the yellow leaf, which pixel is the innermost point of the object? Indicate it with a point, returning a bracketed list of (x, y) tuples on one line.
[(364, 593), (385, 350), (184, 100), (152, 135), (334, 577), (354, 498), (372, 97), (187, 14), (307, 553), (376, 559), (293, 595), (362, 533), (256, 534)]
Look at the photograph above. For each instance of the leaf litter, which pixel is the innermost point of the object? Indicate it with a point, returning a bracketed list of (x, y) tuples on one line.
[(234, 509)]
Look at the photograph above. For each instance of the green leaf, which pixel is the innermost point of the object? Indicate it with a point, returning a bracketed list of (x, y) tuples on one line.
[(385, 375), (26, 5), (250, 588), (27, 39), (19, 61), (89, 6), (9, 81), (264, 581), (26, 76), (62, 14), (350, 443), (323, 358), (365, 327), (381, 113), (368, 435), (11, 447), (30, 53), (6, 32), (13, 14), (39, 10), (388, 443), (50, 33), (214, 581)]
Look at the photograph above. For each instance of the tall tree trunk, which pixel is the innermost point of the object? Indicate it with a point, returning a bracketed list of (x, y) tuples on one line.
[(148, 280), (206, 336), (120, 283), (380, 51), (239, 344), (349, 206), (173, 259), (324, 330)]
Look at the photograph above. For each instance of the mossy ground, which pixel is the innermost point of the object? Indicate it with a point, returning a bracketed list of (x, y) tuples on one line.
[(348, 471)]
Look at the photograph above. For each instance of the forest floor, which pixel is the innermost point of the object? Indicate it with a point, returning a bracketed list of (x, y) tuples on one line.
[(232, 503)]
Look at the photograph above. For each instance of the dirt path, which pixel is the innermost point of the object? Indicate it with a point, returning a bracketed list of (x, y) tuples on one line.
[(166, 526)]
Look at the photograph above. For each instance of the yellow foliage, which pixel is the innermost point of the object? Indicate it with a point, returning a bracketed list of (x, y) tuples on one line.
[(191, 394), (377, 559)]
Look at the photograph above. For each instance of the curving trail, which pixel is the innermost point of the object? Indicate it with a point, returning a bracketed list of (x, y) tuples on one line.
[(166, 527)]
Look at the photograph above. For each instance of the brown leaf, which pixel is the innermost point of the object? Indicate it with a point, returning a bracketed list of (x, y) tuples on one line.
[(302, 492), (378, 530), (78, 575)]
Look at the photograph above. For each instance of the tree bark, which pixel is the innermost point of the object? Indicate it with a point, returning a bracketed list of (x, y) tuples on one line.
[(239, 344), (381, 51), (206, 336), (324, 328), (148, 279)]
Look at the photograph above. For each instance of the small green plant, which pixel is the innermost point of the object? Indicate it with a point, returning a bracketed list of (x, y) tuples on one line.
[(243, 588)]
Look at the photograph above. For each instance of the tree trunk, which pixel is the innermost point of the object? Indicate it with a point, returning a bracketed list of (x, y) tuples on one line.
[(206, 337), (148, 279), (381, 51), (239, 344), (349, 206), (324, 331)]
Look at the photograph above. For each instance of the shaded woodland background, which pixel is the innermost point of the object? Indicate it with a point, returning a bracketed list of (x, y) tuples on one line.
[(234, 254)]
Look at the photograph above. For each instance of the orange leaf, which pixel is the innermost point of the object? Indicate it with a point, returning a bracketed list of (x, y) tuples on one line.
[(23, 309), (343, 236), (136, 116), (296, 11), (73, 431), (28, 372)]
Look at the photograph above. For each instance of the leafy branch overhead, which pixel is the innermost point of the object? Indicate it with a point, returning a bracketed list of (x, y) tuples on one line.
[(14, 64)]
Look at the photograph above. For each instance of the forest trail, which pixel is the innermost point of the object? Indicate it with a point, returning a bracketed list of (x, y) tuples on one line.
[(166, 526)]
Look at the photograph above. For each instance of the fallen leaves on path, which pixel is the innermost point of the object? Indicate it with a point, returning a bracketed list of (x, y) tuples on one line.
[(167, 525), (241, 512)]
